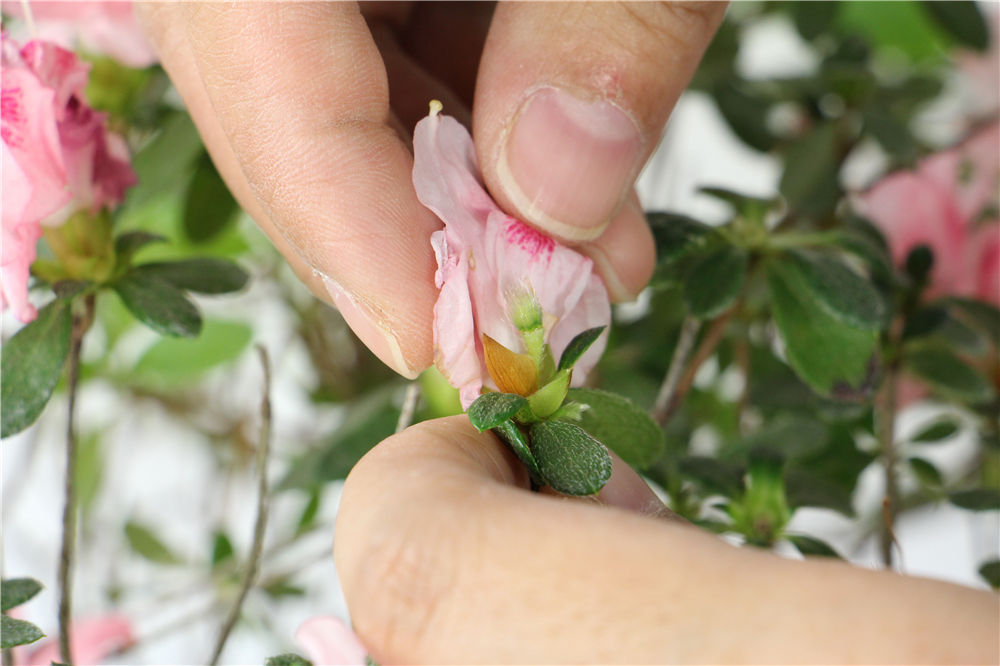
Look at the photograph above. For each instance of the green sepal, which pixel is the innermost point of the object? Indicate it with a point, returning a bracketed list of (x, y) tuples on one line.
[(491, 409)]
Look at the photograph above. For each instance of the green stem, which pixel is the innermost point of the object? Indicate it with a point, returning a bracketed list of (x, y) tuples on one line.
[(81, 323), (253, 564), (794, 239)]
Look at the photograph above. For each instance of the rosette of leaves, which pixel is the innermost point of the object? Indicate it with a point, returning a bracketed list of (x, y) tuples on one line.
[(13, 593), (561, 435), (89, 262)]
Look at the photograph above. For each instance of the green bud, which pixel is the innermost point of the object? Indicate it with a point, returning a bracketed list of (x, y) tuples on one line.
[(524, 309)]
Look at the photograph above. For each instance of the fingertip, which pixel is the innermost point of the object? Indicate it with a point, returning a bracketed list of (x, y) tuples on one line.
[(625, 254)]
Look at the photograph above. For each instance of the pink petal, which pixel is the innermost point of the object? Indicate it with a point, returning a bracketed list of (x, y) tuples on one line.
[(327, 640), (93, 640)]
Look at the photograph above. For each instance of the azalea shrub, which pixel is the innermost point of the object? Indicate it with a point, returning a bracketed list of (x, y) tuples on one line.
[(762, 371)]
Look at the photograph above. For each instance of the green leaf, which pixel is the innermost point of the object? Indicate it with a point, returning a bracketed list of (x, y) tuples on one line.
[(805, 488), (369, 420), (810, 182), (621, 425), (222, 549), (990, 571), (283, 588), (977, 499), (979, 313), (569, 459), (812, 19), (203, 275), (677, 236), (962, 20), (717, 476), (511, 435), (746, 206), (17, 632), (176, 360), (937, 431), (130, 242), (925, 472), (843, 293), (949, 375), (833, 356), (809, 546), (714, 283), (578, 346), (159, 305), (288, 659), (16, 591), (31, 365), (208, 206), (491, 409), (309, 512), (746, 113), (144, 542)]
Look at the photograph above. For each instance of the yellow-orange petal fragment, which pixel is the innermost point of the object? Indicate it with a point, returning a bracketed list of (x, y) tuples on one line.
[(512, 372)]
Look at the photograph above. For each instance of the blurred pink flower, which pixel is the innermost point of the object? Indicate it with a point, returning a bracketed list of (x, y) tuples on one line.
[(483, 255), (327, 640), (949, 203), (58, 156), (92, 641), (107, 28)]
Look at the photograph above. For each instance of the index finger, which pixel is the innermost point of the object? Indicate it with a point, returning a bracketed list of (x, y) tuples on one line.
[(293, 104)]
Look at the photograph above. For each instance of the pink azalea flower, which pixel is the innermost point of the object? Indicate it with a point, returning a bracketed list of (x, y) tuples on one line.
[(326, 641), (58, 157), (949, 203), (484, 256), (107, 28), (92, 641)]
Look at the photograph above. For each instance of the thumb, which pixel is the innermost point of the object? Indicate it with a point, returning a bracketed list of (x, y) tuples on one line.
[(571, 101)]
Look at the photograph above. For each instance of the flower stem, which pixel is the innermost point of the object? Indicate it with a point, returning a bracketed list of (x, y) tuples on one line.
[(665, 397), (81, 323), (885, 425), (410, 401), (253, 564)]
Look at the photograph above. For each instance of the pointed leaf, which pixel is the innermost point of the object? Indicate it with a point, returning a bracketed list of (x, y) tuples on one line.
[(491, 409), (222, 549), (130, 242), (962, 19), (31, 365), (569, 459), (809, 546), (511, 435), (843, 293), (15, 591), (204, 275), (677, 236), (512, 372), (925, 472), (832, 356), (159, 305), (145, 543), (713, 284), (549, 398), (977, 499), (937, 431), (578, 346), (990, 571), (621, 425), (209, 206), (17, 632), (949, 375)]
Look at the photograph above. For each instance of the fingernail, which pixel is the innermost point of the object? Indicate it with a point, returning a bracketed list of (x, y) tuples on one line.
[(567, 164), (378, 339)]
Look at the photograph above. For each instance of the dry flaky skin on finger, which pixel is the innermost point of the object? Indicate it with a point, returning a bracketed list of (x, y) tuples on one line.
[(444, 557)]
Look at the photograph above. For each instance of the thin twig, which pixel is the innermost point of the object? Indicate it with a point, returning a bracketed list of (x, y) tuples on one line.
[(409, 406), (66, 555), (885, 425), (685, 341), (29, 18), (253, 564)]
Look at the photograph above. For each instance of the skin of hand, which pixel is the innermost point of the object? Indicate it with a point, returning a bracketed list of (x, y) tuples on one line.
[(306, 111), (445, 557)]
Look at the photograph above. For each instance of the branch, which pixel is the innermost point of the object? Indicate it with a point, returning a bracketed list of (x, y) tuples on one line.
[(885, 424), (685, 341), (253, 564), (81, 323), (409, 406)]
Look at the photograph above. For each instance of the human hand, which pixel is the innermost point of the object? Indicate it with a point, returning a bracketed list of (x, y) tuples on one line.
[(445, 557), (294, 105)]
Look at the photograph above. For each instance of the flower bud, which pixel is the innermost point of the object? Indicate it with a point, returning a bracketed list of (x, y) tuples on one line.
[(524, 309)]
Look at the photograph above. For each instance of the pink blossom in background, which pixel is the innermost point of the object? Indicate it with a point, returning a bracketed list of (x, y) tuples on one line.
[(949, 203), (105, 28), (92, 641), (326, 640), (58, 157), (483, 254)]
